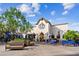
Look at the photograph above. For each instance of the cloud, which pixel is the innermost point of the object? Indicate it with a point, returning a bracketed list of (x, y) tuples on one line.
[(24, 8), (45, 6), (36, 7), (31, 15), (0, 9), (52, 12), (30, 9), (65, 12), (74, 26), (67, 7)]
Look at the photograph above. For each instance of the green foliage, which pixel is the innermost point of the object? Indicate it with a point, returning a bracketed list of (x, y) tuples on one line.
[(19, 40), (12, 24), (12, 16), (2, 29), (14, 20), (70, 34), (26, 27)]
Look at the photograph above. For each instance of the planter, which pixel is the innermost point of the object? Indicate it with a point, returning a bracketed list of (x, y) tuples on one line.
[(14, 45), (26, 42), (32, 43)]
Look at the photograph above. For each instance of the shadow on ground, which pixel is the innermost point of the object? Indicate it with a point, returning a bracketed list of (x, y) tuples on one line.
[(69, 55)]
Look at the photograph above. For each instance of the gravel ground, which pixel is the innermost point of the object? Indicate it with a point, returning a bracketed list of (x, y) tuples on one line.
[(41, 50)]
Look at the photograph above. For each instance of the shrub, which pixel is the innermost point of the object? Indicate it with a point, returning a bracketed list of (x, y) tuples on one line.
[(19, 40)]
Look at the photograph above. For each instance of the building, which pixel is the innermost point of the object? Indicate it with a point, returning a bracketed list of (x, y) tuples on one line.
[(45, 27)]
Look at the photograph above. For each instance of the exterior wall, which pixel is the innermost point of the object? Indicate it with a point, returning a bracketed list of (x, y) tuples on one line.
[(50, 29), (61, 28), (37, 30)]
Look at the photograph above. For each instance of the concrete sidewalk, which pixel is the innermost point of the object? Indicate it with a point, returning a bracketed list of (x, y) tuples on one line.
[(41, 50)]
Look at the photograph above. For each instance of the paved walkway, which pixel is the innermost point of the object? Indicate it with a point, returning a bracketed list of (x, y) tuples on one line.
[(41, 50)]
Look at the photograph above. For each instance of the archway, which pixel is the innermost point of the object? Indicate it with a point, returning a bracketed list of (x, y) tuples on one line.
[(41, 37), (58, 35)]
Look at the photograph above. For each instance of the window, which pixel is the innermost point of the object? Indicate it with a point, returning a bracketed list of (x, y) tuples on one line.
[(42, 26)]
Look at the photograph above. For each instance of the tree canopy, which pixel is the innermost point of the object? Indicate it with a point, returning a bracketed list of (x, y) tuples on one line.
[(70, 34), (14, 19)]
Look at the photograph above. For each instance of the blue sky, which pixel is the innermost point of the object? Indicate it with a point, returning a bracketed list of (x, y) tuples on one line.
[(56, 13)]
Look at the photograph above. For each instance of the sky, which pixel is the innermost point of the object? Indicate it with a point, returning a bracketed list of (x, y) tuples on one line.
[(56, 13)]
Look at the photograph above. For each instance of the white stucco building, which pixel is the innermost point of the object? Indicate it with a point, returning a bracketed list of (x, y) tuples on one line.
[(47, 28)]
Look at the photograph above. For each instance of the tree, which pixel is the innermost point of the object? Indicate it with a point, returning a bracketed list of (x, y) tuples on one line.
[(14, 20), (12, 17), (2, 30), (26, 27), (70, 34)]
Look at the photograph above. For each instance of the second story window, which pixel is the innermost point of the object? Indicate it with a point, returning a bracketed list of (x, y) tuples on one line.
[(42, 26)]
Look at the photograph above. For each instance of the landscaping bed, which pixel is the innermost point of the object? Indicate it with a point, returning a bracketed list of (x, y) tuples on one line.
[(15, 44), (29, 43), (19, 44)]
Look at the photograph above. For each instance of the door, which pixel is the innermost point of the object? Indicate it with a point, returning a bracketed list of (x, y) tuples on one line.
[(41, 36)]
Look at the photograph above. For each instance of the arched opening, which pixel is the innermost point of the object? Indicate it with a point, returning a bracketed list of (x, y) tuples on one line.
[(52, 36), (58, 35), (41, 37)]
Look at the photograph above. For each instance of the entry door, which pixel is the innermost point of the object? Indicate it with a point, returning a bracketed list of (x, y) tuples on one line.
[(41, 36)]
